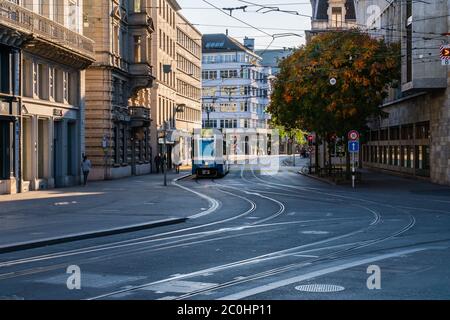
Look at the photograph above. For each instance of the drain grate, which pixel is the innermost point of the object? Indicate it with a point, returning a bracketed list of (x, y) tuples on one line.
[(319, 288)]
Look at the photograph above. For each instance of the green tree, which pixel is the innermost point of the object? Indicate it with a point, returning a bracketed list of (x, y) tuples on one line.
[(305, 98)]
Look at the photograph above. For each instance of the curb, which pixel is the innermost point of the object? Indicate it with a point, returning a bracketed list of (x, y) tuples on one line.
[(90, 235), (184, 177), (317, 178)]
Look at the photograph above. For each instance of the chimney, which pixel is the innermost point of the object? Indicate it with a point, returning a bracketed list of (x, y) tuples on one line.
[(249, 43)]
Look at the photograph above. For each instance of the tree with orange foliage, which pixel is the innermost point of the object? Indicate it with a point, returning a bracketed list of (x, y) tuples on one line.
[(305, 98)]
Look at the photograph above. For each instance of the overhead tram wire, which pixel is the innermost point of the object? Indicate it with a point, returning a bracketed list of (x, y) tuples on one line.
[(242, 21)]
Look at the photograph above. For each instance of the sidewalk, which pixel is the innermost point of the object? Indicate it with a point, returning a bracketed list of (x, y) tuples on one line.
[(39, 218)]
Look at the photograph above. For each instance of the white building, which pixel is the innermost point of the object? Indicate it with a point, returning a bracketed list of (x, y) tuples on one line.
[(236, 87)]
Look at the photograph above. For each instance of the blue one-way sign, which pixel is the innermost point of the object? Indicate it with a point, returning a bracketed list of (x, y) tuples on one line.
[(353, 146)]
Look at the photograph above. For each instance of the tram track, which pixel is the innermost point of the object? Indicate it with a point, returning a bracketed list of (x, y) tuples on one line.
[(182, 239)]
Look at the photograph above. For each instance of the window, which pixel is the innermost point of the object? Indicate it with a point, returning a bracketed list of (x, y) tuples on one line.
[(209, 75), (137, 49), (336, 17), (66, 86), (35, 80), (43, 81), (51, 83), (73, 16), (28, 83), (116, 39), (423, 130), (137, 6)]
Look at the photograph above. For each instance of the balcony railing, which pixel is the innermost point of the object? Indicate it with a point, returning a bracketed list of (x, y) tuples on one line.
[(24, 20), (140, 113), (140, 116)]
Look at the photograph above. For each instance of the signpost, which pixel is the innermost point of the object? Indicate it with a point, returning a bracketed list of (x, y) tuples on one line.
[(353, 148), (311, 141)]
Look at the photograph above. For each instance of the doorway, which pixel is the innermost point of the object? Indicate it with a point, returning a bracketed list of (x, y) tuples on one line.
[(5, 150), (57, 154)]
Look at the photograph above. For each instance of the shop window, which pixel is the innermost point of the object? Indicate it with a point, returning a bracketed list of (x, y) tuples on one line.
[(423, 130), (407, 132)]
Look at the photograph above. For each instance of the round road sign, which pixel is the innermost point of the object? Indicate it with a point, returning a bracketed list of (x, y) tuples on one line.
[(353, 135)]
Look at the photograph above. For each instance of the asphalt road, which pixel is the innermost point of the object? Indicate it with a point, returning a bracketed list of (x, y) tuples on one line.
[(282, 236)]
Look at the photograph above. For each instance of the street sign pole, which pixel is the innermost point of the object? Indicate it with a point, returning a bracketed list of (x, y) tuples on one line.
[(353, 147), (165, 154), (353, 172)]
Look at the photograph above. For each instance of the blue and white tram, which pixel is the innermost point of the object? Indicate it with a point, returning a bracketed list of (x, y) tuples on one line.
[(209, 159)]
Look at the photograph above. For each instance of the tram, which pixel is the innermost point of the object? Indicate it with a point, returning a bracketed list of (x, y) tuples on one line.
[(209, 158)]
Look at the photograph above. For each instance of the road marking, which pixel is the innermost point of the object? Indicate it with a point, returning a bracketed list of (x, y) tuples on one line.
[(305, 256), (315, 232), (214, 204), (179, 286), (315, 274)]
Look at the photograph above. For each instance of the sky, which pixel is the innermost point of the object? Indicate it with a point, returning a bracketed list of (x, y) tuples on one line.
[(211, 20)]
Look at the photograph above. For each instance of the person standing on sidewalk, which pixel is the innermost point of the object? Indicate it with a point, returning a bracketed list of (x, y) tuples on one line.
[(177, 165), (86, 167), (158, 162)]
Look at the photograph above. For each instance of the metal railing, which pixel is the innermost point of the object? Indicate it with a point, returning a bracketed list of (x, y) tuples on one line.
[(142, 113), (27, 21)]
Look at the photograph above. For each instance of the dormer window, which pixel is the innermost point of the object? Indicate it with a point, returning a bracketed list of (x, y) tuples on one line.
[(336, 17)]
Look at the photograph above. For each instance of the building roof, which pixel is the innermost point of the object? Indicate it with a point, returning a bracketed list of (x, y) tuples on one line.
[(272, 57), (320, 9), (220, 42)]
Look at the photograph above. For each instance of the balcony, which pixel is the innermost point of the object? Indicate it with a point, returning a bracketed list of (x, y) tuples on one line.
[(141, 20), (140, 117), (42, 33), (142, 76)]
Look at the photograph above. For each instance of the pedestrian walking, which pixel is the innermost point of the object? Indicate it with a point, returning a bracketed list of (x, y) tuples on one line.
[(158, 162), (177, 165), (86, 168)]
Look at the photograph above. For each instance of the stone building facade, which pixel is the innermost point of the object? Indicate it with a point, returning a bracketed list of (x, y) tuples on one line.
[(189, 86), (175, 96), (118, 94), (43, 55), (414, 137)]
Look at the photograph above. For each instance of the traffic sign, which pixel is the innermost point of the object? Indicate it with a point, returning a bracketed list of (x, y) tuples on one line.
[(353, 146), (353, 135), (445, 54)]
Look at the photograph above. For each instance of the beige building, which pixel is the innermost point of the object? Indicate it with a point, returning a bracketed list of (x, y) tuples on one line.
[(118, 95), (177, 60), (42, 94), (189, 85)]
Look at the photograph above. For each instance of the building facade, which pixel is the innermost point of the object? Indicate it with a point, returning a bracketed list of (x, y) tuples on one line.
[(236, 86), (189, 87), (118, 94), (271, 58), (414, 137), (176, 95), (43, 55)]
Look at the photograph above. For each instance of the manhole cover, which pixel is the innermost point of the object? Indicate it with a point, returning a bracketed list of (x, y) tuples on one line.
[(319, 288)]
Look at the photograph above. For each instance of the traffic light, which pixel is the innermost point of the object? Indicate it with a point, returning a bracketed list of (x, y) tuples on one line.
[(310, 140)]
